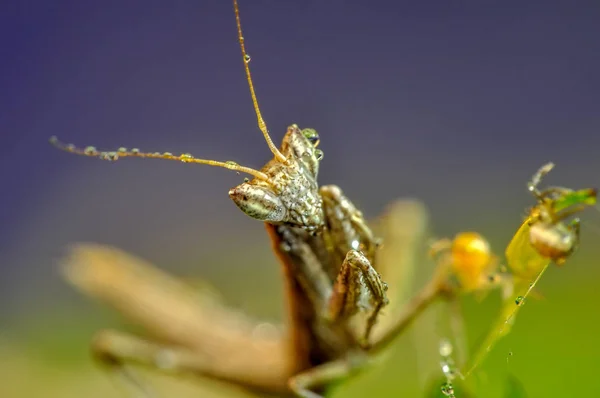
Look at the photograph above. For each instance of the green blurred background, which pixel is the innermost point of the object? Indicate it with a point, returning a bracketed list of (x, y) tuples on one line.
[(455, 104)]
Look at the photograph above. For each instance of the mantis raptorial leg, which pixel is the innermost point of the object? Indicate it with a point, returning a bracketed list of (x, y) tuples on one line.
[(193, 334)]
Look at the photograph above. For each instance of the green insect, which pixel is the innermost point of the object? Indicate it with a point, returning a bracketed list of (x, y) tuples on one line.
[(544, 237)]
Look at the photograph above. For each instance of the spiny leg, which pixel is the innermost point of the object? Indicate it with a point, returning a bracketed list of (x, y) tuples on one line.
[(357, 287), (346, 225), (116, 351), (172, 312), (318, 378)]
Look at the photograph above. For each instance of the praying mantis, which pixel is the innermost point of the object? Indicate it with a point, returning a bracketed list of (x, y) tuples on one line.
[(328, 253), (334, 274)]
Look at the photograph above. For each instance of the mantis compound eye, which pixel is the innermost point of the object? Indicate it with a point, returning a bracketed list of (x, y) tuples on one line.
[(312, 136)]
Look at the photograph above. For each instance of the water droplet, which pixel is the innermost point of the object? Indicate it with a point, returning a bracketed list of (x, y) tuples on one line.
[(70, 147), (445, 368), (285, 247), (519, 300), (135, 151), (89, 150), (53, 139), (122, 150), (445, 348), (447, 389), (167, 154), (230, 164), (247, 58), (246, 179), (110, 156), (449, 370), (185, 157)]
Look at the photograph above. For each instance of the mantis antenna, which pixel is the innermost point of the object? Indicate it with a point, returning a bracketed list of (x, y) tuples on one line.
[(186, 157), (246, 58)]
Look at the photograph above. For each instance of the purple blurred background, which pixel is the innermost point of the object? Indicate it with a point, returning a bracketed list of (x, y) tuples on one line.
[(456, 103)]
